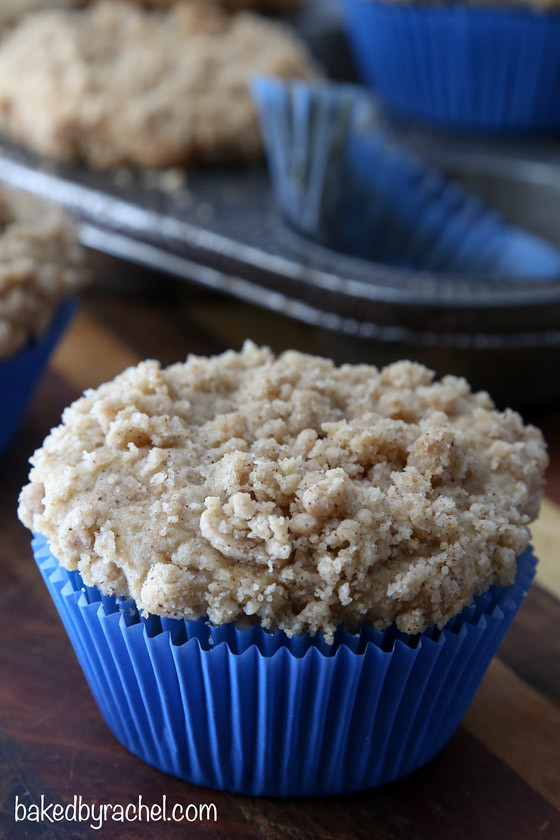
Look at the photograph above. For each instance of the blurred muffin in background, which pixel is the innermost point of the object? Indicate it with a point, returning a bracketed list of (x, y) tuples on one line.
[(41, 262), (12, 11), (41, 269), (232, 5), (118, 85), (483, 66)]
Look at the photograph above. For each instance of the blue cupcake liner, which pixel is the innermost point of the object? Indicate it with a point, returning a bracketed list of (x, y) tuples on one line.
[(459, 66), (337, 181), (261, 714), (20, 374)]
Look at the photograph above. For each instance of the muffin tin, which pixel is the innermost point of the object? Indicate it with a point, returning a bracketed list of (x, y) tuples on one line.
[(222, 230)]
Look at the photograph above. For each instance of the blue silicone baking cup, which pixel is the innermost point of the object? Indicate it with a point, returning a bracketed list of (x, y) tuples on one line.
[(261, 714), (20, 374), (340, 182), (460, 66)]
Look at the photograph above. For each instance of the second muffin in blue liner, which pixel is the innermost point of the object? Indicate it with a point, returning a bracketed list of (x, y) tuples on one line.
[(42, 269), (260, 714), (481, 68), (339, 182), (20, 374)]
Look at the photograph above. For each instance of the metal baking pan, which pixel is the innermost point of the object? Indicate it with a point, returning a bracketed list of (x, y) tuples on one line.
[(223, 231)]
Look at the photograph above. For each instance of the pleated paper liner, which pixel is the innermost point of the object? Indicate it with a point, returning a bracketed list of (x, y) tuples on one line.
[(340, 183), (458, 65), (260, 714), (20, 374)]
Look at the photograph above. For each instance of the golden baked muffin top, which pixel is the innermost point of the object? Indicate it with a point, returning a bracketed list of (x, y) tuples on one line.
[(289, 491), (41, 262), (117, 85)]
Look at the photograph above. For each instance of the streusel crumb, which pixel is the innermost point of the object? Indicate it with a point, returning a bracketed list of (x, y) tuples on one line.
[(230, 5), (289, 490), (41, 262), (12, 11), (116, 85)]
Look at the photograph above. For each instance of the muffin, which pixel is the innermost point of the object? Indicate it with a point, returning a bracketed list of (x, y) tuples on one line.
[(12, 11), (307, 567), (41, 269), (467, 66), (230, 5), (116, 85)]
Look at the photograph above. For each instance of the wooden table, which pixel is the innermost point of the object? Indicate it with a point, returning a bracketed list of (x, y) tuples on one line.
[(499, 779)]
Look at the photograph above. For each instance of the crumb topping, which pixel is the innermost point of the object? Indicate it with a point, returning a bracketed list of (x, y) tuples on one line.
[(230, 5), (288, 490), (12, 11), (116, 85)]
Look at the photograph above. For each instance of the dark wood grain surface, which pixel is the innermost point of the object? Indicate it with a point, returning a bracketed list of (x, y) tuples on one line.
[(499, 778)]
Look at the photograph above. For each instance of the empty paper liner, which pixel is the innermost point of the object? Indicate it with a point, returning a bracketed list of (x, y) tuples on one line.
[(341, 183)]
